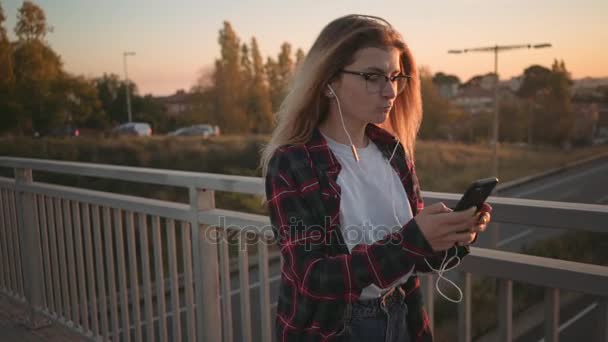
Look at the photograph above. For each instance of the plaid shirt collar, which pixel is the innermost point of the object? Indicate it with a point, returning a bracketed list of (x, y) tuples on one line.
[(326, 161)]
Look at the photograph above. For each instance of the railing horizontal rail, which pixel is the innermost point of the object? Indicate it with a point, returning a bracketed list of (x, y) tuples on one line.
[(201, 180), (149, 206), (542, 214), (554, 273)]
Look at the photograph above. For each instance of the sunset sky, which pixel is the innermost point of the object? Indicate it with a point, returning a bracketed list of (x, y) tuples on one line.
[(174, 40)]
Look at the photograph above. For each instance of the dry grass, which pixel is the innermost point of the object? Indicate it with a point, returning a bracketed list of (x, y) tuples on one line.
[(450, 167)]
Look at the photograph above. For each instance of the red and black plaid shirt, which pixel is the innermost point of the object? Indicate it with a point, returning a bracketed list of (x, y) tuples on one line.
[(320, 279)]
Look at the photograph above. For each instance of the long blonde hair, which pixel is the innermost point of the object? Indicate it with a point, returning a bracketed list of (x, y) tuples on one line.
[(305, 106)]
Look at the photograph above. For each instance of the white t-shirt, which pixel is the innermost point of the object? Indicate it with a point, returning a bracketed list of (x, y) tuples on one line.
[(368, 189)]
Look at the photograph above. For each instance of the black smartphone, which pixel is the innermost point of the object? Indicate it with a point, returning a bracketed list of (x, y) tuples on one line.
[(476, 194)]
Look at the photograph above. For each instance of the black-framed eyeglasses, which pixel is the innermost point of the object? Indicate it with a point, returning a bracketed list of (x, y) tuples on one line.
[(375, 81)]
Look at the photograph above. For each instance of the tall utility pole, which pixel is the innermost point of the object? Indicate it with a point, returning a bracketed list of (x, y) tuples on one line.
[(496, 49), (124, 60)]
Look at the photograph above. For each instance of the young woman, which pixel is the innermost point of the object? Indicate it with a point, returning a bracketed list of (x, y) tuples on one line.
[(343, 196)]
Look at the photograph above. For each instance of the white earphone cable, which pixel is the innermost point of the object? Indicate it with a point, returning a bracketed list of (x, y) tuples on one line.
[(444, 264), (352, 146)]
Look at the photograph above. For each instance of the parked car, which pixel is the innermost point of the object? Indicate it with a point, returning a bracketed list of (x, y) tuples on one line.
[(59, 131), (140, 129), (205, 131)]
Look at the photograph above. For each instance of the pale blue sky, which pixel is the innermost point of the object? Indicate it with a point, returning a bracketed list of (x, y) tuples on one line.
[(175, 39)]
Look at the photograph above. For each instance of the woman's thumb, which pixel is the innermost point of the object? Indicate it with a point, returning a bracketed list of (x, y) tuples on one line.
[(437, 208)]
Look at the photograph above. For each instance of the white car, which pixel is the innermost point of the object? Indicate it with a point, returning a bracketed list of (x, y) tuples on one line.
[(197, 130), (140, 129)]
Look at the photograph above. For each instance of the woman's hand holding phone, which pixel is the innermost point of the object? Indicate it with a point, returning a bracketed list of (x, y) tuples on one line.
[(443, 228)]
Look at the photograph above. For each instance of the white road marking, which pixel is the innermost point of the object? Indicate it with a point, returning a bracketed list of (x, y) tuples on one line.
[(560, 181), (602, 200), (574, 319), (515, 237)]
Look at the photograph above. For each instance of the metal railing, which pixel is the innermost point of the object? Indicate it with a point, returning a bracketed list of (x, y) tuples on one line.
[(119, 267)]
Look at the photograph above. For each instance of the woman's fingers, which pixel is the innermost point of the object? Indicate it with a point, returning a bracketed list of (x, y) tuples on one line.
[(462, 226), (462, 238), (486, 208), (457, 216)]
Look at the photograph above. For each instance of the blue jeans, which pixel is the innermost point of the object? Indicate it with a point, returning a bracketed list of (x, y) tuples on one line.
[(380, 322)]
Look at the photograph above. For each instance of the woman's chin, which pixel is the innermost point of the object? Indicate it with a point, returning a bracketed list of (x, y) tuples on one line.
[(379, 118)]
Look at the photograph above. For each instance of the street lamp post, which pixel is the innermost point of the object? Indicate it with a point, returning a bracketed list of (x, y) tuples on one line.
[(124, 59), (496, 49)]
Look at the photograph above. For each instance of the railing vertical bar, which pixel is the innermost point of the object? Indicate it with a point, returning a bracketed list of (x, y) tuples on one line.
[(160, 278), (551, 315), (206, 268), (10, 241), (602, 320), (122, 275), (4, 242), (46, 256), (225, 283), (245, 293), (505, 309), (109, 241), (17, 248), (90, 268), (188, 280), (146, 278), (32, 268), (264, 276), (133, 271), (71, 262), (174, 280), (82, 280), (100, 272), (464, 309), (65, 295), (41, 231), (55, 269)]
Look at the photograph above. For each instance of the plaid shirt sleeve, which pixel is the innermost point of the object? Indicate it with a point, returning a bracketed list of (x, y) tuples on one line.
[(290, 189)]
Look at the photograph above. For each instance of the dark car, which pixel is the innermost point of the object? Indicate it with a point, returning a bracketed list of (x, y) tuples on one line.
[(59, 131)]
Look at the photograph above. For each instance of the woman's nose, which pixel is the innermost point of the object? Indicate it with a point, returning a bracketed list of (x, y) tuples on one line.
[(389, 90)]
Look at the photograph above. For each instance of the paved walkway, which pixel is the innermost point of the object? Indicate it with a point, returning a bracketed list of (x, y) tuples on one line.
[(13, 331)]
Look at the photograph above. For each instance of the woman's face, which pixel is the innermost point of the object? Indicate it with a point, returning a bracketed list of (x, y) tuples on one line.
[(368, 101)]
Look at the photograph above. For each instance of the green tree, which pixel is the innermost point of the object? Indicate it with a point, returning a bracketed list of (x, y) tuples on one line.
[(83, 103), (513, 119), (274, 83), (260, 106), (8, 105), (560, 103), (31, 23), (279, 74), (547, 93), (112, 95), (37, 68), (299, 57), (246, 66), (228, 83), (441, 119)]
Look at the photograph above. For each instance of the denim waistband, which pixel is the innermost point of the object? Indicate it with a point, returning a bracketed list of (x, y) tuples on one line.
[(377, 307)]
